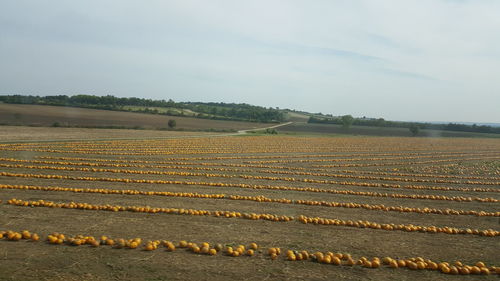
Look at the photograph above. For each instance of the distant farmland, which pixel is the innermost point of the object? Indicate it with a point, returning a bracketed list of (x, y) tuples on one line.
[(321, 129), (44, 115)]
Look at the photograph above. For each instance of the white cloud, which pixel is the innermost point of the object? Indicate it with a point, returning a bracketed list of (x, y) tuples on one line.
[(407, 60)]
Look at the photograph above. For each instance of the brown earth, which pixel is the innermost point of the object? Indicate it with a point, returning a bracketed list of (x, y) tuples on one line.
[(41, 261), (26, 133), (44, 115)]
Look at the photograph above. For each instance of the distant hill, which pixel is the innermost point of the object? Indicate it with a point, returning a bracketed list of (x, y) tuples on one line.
[(470, 123), (216, 111), (334, 129), (381, 123), (61, 116), (231, 112)]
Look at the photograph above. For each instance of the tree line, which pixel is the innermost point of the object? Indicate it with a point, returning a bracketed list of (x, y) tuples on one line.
[(220, 111), (347, 120)]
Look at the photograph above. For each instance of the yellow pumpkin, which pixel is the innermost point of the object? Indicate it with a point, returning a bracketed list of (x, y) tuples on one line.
[(35, 237)]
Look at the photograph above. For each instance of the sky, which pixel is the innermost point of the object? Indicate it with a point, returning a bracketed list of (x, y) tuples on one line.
[(412, 60)]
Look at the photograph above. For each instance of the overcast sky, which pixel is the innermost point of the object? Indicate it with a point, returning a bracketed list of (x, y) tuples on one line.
[(422, 60)]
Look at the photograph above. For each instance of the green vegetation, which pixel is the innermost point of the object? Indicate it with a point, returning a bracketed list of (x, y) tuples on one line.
[(380, 122), (414, 129), (268, 131), (271, 131), (172, 123), (218, 111), (347, 121)]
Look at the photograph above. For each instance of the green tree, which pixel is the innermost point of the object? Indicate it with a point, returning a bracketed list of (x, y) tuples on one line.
[(414, 129), (347, 121), (172, 123), (380, 122)]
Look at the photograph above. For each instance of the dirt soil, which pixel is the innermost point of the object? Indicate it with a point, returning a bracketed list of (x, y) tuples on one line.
[(44, 115), (234, 157)]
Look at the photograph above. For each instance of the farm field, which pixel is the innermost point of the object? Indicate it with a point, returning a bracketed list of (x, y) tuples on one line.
[(46, 115), (25, 133), (354, 208), (322, 129)]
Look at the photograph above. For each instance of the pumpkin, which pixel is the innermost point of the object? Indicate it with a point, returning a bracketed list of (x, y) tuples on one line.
[(421, 265), (327, 259), (480, 264), (445, 269), (453, 270), (475, 270), (35, 237), (305, 255), (464, 270), (26, 234), (254, 246), (412, 265), (272, 251), (204, 250), (149, 247), (485, 271)]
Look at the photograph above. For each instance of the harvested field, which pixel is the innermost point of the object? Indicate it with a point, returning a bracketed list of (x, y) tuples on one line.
[(24, 133), (352, 208), (45, 115)]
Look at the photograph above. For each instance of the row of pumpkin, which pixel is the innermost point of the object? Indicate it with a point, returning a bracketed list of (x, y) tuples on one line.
[(205, 248), (288, 179), (351, 175), (257, 186), (256, 216), (259, 198), (212, 166)]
